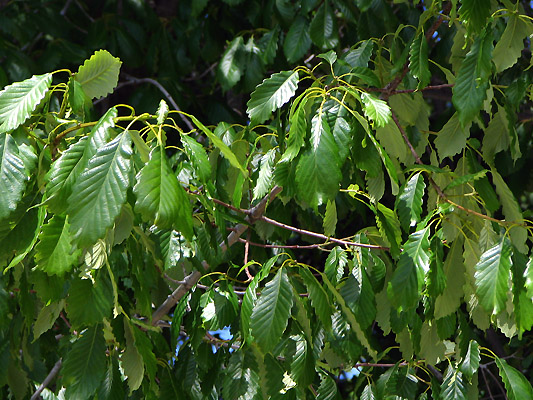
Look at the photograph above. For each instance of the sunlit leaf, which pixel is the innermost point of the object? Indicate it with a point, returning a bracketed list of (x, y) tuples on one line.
[(418, 60), (470, 363), (516, 384), (376, 109), (12, 175), (19, 100), (99, 74), (409, 201)]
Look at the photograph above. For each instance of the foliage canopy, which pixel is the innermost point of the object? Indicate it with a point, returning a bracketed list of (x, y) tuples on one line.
[(348, 193)]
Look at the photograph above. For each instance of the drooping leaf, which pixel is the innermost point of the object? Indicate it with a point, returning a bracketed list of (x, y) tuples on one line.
[(12, 175), (318, 296), (454, 271), (198, 156), (409, 201), (474, 13), (99, 74), (297, 42), (219, 308), (432, 349), (510, 46), (327, 389), (88, 303), (453, 386), (47, 317), (466, 179), (389, 227), (231, 67), (452, 137), (270, 95), (516, 384), (85, 364), (417, 247), (240, 381), (20, 99), (100, 191), (492, 276), (269, 45), (266, 175), (335, 264), (497, 136), (323, 29), (54, 253), (297, 133), (470, 362), (418, 60), (271, 312), (131, 359), (471, 85), (376, 109), (360, 56), (160, 197), (65, 171), (318, 171)]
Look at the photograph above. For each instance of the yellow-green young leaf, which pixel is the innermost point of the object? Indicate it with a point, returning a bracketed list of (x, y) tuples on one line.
[(12, 175), (376, 109), (452, 137), (160, 197), (323, 29), (512, 213), (19, 100), (85, 365), (271, 312), (409, 201), (98, 75), (318, 173), (330, 218), (516, 384), (270, 95), (510, 46), (54, 253), (100, 191), (472, 83), (418, 60), (66, 170), (492, 276), (162, 112), (297, 42)]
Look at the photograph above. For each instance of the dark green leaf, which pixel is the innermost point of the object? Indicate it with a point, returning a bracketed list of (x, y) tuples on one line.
[(470, 363), (453, 386), (198, 156), (510, 46), (323, 29), (474, 13), (418, 60), (409, 201)]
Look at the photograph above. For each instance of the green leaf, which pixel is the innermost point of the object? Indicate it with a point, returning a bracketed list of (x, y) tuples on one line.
[(79, 101), (266, 174), (497, 136), (54, 253), (453, 386), (271, 312), (269, 45), (360, 56), (492, 276), (472, 83), (470, 363), (474, 13), (99, 74), (162, 112), (509, 48), (85, 365), (12, 175), (297, 42), (46, 318), (297, 132), (375, 109), (65, 171), (330, 57), (231, 67), (409, 201), (160, 197), (330, 218), (465, 179), (219, 143), (366, 75), (20, 99), (516, 384), (389, 227), (452, 137), (512, 212), (198, 157), (368, 393), (131, 359), (335, 264), (327, 389), (88, 303), (318, 173), (240, 381), (323, 29), (418, 60), (432, 349), (270, 95), (417, 247), (99, 193), (318, 296), (219, 308)]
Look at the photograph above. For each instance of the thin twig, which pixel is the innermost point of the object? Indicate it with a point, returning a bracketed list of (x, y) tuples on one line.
[(282, 246), (321, 236), (51, 375)]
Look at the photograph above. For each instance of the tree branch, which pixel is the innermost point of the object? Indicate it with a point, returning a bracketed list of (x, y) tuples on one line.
[(254, 214), (51, 375)]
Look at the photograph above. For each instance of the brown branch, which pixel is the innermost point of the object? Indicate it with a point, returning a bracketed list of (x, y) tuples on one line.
[(254, 215), (321, 236), (282, 246), (51, 375)]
